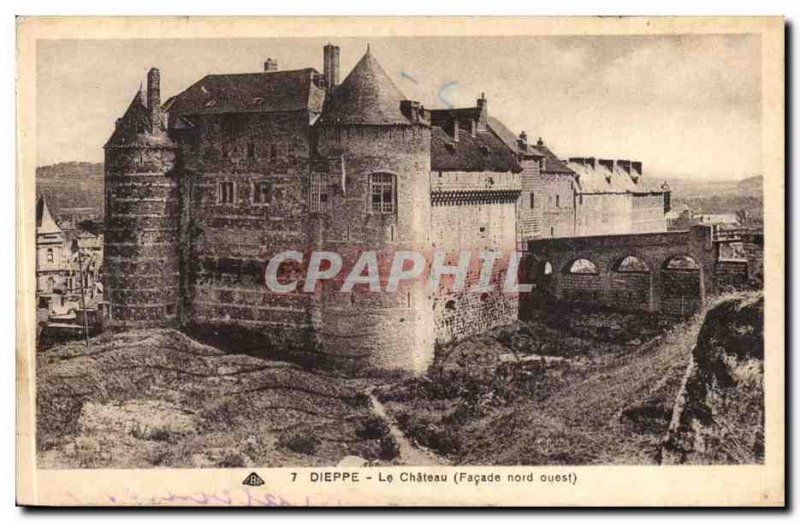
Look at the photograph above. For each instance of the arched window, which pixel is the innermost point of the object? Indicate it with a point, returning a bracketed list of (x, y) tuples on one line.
[(583, 266), (450, 305), (547, 268), (632, 264), (382, 189), (682, 263)]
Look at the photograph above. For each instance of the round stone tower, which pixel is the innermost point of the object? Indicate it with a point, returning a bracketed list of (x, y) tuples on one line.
[(377, 148), (141, 271)]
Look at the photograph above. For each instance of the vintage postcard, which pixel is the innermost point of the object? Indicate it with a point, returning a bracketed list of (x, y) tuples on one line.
[(400, 261)]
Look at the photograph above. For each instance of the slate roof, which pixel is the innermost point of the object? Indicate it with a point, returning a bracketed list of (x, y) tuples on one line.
[(366, 97), (552, 163), (509, 138), (276, 91), (483, 152), (602, 180)]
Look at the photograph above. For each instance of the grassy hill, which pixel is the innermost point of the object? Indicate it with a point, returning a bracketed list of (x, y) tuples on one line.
[(71, 184), (158, 398)]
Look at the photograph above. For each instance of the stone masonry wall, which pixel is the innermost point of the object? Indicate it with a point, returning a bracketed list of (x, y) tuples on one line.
[(475, 225), (140, 251), (229, 243)]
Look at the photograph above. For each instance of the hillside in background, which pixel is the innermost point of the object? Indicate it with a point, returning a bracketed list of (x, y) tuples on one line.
[(71, 185), (721, 197)]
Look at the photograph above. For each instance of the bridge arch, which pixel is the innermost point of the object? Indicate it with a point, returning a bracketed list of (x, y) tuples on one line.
[(631, 283), (681, 285), (581, 280)]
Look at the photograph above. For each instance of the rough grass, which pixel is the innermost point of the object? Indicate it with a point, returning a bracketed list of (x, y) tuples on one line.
[(565, 387), (722, 419), (158, 398)]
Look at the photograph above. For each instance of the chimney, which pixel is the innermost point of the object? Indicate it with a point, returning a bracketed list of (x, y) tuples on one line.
[(331, 65), (154, 99), (270, 65), (455, 129), (609, 164), (483, 105), (636, 166), (590, 162), (413, 110), (540, 142), (522, 141)]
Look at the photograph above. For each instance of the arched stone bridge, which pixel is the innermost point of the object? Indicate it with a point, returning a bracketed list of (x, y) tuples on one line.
[(667, 272)]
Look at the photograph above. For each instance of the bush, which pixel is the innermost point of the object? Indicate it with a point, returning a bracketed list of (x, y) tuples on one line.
[(389, 450), (302, 443), (372, 427)]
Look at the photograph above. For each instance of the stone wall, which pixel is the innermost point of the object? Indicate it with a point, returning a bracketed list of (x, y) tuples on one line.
[(141, 272), (384, 329), (482, 221), (659, 288), (228, 243)]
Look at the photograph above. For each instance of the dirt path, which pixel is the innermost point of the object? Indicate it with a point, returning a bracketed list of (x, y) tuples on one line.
[(410, 453)]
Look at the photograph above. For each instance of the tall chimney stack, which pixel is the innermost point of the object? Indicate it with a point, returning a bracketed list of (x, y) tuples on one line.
[(154, 99), (331, 65)]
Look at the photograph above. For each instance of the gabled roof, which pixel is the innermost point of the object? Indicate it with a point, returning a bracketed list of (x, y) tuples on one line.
[(483, 152), (366, 97), (45, 224), (275, 91), (509, 138)]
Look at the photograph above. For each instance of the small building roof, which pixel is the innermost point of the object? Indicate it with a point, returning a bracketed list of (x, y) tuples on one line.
[(366, 97), (275, 91)]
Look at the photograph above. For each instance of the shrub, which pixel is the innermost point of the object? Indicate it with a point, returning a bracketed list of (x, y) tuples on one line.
[(372, 427), (389, 450), (302, 443)]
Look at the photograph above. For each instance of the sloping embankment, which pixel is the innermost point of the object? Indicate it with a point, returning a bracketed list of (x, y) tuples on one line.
[(158, 398), (719, 414)]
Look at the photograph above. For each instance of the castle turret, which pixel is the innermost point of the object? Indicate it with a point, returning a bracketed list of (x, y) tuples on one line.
[(378, 144), (141, 214)]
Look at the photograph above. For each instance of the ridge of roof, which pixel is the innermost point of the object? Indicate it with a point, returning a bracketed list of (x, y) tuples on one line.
[(268, 91)]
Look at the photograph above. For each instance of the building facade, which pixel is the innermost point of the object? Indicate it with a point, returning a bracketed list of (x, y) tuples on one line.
[(204, 189)]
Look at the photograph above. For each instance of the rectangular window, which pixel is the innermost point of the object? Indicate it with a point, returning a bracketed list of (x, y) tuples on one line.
[(262, 192), (382, 188), (533, 200), (558, 201), (49, 255), (251, 151), (226, 192), (273, 151), (319, 193)]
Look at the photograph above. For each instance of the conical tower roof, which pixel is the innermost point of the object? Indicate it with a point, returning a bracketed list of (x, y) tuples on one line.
[(366, 97), (45, 224)]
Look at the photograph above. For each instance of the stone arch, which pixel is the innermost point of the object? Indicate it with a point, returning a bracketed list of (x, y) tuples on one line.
[(681, 285), (631, 283), (581, 265), (581, 280)]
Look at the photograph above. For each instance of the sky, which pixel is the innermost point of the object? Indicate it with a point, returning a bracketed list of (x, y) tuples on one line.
[(687, 106)]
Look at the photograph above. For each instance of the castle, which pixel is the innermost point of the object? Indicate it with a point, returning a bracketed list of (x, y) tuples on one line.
[(203, 189)]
